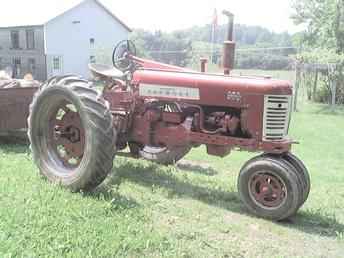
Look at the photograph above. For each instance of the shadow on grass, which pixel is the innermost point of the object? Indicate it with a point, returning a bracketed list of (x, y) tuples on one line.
[(323, 109), (115, 200), (196, 168), (316, 222), (8, 147), (153, 176), (312, 222), (328, 110)]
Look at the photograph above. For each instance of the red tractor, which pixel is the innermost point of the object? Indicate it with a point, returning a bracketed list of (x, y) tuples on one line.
[(160, 112)]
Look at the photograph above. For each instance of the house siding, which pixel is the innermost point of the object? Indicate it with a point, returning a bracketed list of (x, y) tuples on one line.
[(68, 37), (7, 54)]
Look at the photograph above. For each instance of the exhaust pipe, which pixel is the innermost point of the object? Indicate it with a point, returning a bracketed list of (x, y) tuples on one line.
[(229, 45)]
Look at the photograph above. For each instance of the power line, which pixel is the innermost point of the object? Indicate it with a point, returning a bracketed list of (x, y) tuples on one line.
[(265, 49), (207, 51)]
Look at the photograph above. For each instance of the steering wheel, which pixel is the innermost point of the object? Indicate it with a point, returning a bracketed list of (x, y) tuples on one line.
[(121, 53)]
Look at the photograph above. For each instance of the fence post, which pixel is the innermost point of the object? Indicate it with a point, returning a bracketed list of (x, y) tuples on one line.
[(297, 85), (332, 78), (315, 86), (334, 92)]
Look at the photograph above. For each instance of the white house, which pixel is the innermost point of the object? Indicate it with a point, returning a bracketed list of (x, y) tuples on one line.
[(66, 44), (73, 38)]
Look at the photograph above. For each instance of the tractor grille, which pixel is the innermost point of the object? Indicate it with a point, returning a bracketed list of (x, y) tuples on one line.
[(277, 110)]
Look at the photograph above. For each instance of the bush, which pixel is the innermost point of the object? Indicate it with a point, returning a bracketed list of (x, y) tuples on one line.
[(324, 94)]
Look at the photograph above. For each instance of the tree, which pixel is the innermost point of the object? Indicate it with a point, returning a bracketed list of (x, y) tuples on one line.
[(324, 37), (172, 48), (324, 20)]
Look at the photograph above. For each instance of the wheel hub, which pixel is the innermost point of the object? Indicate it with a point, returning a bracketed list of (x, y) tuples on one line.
[(68, 136), (268, 190)]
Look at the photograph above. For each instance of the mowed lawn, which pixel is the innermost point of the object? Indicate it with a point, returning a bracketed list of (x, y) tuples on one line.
[(146, 210)]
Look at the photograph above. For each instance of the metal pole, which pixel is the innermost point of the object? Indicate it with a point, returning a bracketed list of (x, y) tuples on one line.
[(297, 85)]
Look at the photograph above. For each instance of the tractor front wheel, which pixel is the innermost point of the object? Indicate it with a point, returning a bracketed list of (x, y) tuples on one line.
[(71, 134), (270, 188), (303, 173)]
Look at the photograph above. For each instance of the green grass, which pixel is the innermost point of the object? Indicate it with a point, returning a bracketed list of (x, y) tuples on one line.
[(146, 210)]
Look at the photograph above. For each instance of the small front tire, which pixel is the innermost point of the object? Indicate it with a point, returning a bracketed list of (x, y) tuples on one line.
[(269, 188)]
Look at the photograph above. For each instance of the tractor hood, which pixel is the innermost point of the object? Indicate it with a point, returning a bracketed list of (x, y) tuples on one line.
[(205, 88)]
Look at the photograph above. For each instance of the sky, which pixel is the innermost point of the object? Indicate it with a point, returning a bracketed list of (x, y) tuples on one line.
[(166, 15)]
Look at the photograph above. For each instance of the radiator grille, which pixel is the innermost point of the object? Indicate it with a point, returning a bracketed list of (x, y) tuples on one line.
[(277, 110)]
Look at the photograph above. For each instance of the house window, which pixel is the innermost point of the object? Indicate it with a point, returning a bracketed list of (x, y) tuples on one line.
[(15, 39), (30, 39), (92, 59), (92, 41), (17, 61), (32, 65), (56, 63), (16, 67)]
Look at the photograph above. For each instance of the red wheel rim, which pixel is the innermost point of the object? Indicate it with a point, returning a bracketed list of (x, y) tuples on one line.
[(67, 135), (268, 190)]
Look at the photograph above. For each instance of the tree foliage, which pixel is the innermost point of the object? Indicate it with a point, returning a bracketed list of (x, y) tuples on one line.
[(323, 40), (185, 47), (244, 35), (324, 20), (171, 48)]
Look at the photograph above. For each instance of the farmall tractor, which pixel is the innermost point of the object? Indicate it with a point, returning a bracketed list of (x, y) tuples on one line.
[(160, 112)]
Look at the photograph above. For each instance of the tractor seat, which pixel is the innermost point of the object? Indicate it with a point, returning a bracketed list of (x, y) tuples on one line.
[(105, 71)]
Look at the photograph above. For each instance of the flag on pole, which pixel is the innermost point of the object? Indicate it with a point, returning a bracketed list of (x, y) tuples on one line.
[(215, 18)]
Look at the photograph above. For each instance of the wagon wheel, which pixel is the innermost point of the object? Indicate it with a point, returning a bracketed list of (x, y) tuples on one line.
[(71, 133), (270, 188)]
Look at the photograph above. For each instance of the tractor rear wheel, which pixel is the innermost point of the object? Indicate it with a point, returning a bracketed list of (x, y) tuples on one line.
[(164, 156), (71, 133), (270, 188)]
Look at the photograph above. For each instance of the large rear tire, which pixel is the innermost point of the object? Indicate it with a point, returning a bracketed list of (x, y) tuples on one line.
[(71, 133)]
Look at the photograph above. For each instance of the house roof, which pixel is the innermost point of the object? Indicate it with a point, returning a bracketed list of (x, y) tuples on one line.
[(113, 15), (47, 13)]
